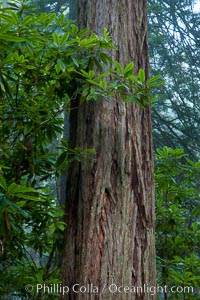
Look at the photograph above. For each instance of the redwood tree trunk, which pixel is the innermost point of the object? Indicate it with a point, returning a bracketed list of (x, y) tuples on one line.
[(110, 198)]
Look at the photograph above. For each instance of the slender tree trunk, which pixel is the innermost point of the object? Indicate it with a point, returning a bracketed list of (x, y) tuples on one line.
[(110, 198), (62, 180)]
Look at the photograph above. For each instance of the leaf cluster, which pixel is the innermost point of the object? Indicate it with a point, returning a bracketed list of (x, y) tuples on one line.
[(177, 220)]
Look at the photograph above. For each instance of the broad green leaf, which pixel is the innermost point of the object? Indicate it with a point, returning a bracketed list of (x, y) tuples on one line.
[(196, 211), (2, 86), (33, 198), (15, 18), (28, 128), (129, 69), (52, 228), (134, 79), (91, 74), (74, 29), (3, 182), (75, 61), (84, 73), (61, 225), (28, 20), (10, 38), (57, 68), (62, 18), (118, 67), (12, 188), (153, 79), (158, 83), (21, 203), (56, 38), (18, 209), (141, 75), (39, 277), (58, 213), (131, 98), (61, 64), (64, 38), (22, 189), (103, 84), (195, 226), (105, 57), (61, 159)]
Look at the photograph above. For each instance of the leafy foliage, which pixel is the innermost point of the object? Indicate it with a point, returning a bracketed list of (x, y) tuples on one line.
[(178, 232)]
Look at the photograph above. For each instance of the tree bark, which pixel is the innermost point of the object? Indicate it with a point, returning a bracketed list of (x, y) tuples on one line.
[(110, 198)]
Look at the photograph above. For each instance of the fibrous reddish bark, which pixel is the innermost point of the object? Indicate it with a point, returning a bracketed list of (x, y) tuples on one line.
[(110, 198)]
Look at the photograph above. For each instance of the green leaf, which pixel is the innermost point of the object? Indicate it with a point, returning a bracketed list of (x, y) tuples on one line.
[(28, 128), (17, 208), (195, 226), (129, 69), (39, 277), (64, 38), (158, 83), (141, 75), (57, 68), (105, 57), (61, 159), (75, 61), (62, 18), (196, 211), (2, 87), (33, 198), (98, 65), (23, 189), (56, 38), (3, 182), (61, 64), (15, 17), (21, 203), (91, 74), (74, 29), (61, 225), (10, 38), (131, 98), (134, 79), (103, 84), (153, 79), (118, 67), (3, 203), (28, 20), (12, 188), (59, 212), (52, 228)]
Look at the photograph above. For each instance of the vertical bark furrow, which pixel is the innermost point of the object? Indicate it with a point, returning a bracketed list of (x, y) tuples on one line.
[(110, 205)]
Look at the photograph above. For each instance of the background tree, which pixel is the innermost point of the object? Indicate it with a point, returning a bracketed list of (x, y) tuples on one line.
[(110, 207), (174, 52), (68, 7)]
